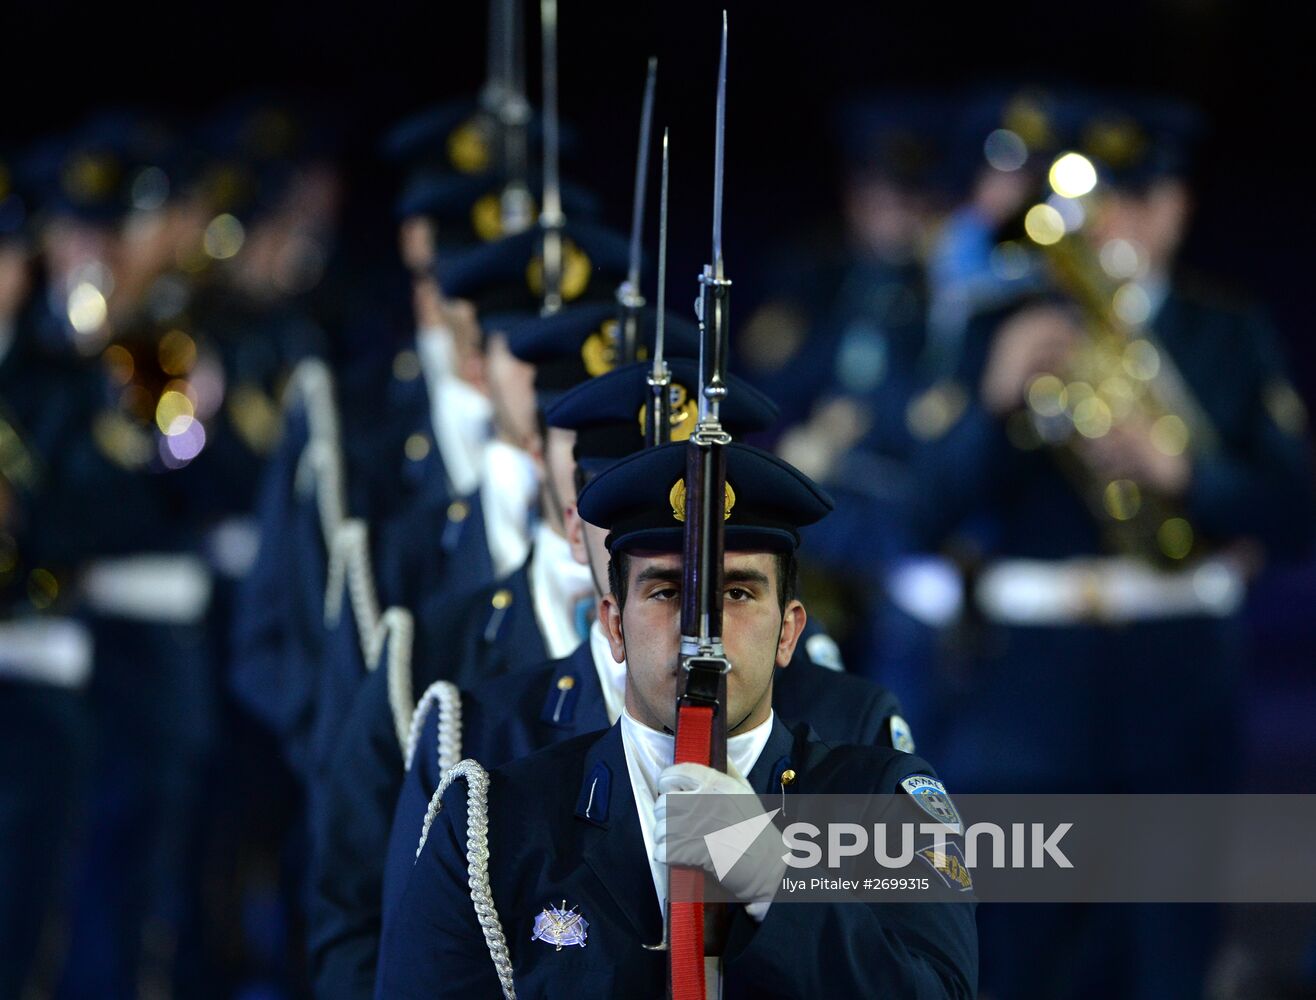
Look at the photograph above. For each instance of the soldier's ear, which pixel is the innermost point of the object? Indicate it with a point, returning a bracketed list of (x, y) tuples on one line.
[(792, 627), (610, 619)]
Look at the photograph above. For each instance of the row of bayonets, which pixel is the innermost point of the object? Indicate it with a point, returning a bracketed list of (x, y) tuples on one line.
[(703, 658), (503, 99)]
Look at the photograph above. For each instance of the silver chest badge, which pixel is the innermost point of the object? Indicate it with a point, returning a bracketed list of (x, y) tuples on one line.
[(560, 926)]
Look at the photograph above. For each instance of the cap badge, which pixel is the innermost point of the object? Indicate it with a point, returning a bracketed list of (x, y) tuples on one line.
[(576, 268), (677, 499), (468, 147), (682, 413)]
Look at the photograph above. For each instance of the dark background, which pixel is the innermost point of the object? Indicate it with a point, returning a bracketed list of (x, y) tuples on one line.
[(1246, 65)]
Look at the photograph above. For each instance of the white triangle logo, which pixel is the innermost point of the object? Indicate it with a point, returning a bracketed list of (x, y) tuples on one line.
[(727, 845)]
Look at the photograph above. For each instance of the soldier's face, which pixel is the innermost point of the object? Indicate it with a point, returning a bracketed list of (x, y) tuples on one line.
[(1154, 221), (757, 635), (512, 392)]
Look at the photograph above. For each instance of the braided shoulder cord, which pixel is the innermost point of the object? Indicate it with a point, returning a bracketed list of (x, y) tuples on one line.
[(477, 861), (447, 696), (350, 570), (312, 385), (397, 630)]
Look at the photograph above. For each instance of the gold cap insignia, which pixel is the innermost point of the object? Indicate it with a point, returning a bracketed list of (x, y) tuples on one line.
[(599, 351), (682, 416), (487, 216), (677, 499), (89, 177), (576, 268), (1116, 141), (468, 147), (1026, 118)]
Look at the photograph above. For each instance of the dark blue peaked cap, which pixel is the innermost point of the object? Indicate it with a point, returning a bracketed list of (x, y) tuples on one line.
[(608, 413), (95, 171), (467, 209), (1137, 140), (640, 500), (459, 136), (507, 275), (576, 343)]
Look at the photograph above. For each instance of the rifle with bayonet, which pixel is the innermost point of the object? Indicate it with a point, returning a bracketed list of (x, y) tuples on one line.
[(701, 723)]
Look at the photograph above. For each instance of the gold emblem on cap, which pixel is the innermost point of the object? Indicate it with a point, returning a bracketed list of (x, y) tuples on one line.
[(599, 352), (677, 499), (1116, 140), (90, 176), (1026, 118), (468, 147), (487, 217), (683, 413), (576, 268)]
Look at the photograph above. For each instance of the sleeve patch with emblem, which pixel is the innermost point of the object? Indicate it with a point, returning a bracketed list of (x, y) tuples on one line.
[(930, 795)]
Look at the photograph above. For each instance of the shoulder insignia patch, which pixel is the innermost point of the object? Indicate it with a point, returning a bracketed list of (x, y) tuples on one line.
[(824, 652), (930, 795), (949, 864), (901, 737)]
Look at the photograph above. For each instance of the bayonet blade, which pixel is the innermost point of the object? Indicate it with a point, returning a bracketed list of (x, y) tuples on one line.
[(641, 179), (719, 152), (550, 218), (659, 364)]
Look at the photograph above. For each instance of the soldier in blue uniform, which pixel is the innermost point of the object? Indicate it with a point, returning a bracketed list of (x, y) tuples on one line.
[(508, 717), (45, 652), (538, 611), (1078, 604), (591, 800)]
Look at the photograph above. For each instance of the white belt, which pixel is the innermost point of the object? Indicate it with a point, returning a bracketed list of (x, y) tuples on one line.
[(1074, 591), (46, 650), (173, 589)]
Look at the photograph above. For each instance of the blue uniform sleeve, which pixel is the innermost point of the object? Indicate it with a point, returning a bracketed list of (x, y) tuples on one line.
[(418, 784), (278, 622), (349, 838), (435, 947), (924, 950), (1259, 482)]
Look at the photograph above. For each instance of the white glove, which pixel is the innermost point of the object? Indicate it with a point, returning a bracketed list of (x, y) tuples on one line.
[(749, 872)]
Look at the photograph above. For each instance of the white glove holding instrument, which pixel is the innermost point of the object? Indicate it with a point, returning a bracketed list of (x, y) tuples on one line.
[(748, 861)]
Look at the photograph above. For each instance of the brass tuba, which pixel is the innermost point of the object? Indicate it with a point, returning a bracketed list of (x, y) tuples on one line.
[(1119, 375)]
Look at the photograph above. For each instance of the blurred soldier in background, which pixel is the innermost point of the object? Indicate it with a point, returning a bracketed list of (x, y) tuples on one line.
[(45, 653), (1124, 449)]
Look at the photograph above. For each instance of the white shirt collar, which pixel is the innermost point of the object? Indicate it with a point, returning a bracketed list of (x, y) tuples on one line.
[(460, 415), (649, 752), (557, 586), (508, 486), (612, 675)]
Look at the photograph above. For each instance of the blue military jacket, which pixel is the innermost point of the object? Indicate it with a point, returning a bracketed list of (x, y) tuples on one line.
[(353, 796), (504, 717), (516, 715), (562, 825)]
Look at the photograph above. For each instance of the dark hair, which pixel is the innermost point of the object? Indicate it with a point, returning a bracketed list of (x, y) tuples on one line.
[(619, 576)]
